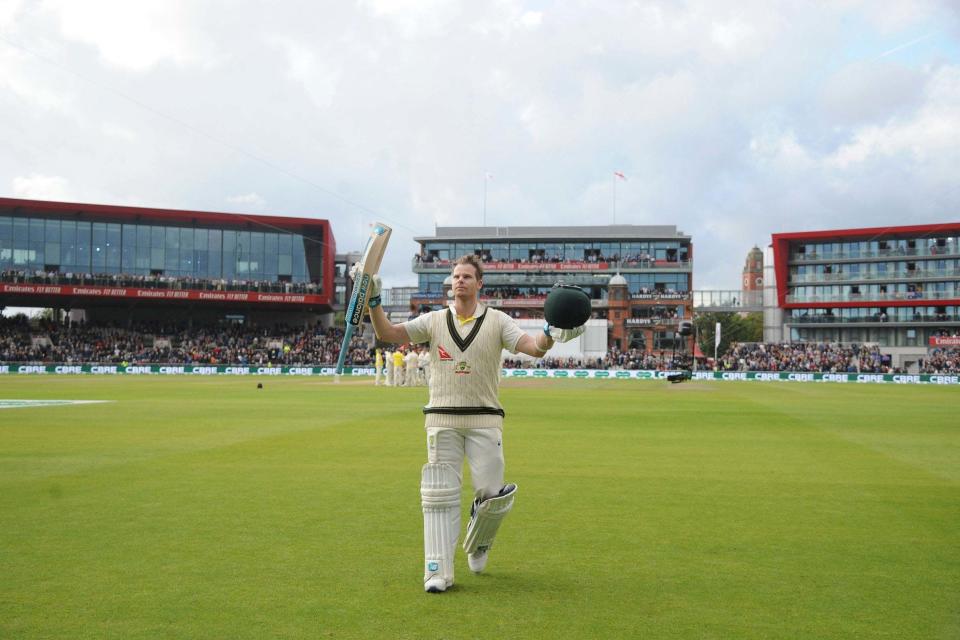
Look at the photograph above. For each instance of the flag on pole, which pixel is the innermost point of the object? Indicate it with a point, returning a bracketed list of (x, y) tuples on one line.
[(619, 175)]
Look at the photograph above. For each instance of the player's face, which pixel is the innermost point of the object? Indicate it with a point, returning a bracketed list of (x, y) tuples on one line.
[(465, 283)]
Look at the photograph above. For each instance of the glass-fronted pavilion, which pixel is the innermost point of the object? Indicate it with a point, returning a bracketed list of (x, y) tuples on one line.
[(898, 287), (521, 264), (131, 248)]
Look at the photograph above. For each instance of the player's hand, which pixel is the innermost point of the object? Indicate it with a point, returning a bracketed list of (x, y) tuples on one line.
[(563, 335), (375, 284)]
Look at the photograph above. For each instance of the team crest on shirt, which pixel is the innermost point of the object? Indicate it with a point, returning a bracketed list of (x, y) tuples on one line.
[(462, 368), (443, 353)]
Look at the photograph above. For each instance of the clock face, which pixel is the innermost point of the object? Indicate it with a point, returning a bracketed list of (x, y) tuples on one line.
[(759, 281), (746, 281)]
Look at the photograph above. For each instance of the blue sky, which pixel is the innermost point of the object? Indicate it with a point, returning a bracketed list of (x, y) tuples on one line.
[(732, 120)]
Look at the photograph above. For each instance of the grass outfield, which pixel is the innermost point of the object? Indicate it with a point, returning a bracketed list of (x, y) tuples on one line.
[(204, 508)]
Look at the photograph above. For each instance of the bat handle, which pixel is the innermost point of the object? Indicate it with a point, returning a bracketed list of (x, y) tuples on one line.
[(344, 347)]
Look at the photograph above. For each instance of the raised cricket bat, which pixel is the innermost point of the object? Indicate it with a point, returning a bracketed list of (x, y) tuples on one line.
[(369, 265)]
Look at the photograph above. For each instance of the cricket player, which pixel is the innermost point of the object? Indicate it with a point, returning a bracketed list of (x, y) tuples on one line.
[(423, 367), (397, 368), (464, 417), (388, 357), (378, 363), (411, 362)]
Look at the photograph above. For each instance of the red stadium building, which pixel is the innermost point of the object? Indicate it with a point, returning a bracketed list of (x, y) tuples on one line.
[(129, 264), (898, 287)]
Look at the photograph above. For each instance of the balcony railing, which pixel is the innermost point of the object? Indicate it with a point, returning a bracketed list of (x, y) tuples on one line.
[(566, 265), (157, 282), (659, 297), (874, 319), (949, 250), (918, 274), (918, 296)]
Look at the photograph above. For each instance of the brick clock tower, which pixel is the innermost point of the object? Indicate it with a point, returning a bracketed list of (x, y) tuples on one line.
[(618, 299), (752, 280)]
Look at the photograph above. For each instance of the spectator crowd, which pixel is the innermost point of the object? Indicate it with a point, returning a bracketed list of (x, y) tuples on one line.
[(941, 361), (810, 357), (171, 344)]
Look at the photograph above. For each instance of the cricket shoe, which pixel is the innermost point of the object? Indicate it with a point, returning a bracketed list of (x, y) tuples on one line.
[(436, 584), (477, 560)]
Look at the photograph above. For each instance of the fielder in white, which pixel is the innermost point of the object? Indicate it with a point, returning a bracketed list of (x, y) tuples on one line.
[(411, 375), (388, 358), (423, 366), (464, 416)]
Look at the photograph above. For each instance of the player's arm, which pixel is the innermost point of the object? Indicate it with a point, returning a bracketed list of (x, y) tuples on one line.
[(386, 330), (536, 346)]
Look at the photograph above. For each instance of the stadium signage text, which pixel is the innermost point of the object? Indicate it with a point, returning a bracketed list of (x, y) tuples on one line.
[(161, 294), (660, 296), (945, 341), (592, 374)]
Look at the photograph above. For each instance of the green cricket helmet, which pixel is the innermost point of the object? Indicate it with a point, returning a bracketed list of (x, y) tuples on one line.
[(566, 306)]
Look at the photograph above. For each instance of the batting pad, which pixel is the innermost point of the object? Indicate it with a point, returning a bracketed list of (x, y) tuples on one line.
[(486, 519), (440, 498)]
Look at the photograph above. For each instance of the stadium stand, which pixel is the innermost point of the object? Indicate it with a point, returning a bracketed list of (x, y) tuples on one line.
[(42, 342), (815, 357), (174, 344), (941, 361)]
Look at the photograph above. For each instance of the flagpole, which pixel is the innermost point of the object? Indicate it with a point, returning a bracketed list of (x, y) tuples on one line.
[(614, 198), (486, 178)]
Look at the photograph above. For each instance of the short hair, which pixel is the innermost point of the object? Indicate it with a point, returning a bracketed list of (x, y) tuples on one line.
[(472, 260)]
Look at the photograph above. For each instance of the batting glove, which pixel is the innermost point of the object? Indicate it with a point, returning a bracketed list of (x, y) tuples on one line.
[(375, 284), (563, 335)]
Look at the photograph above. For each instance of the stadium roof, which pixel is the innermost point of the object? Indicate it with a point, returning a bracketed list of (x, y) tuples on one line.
[(605, 232), (43, 208)]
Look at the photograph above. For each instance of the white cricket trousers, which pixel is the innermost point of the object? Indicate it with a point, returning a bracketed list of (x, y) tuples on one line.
[(483, 449)]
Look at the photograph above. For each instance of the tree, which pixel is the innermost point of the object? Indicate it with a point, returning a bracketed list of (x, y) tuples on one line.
[(733, 328)]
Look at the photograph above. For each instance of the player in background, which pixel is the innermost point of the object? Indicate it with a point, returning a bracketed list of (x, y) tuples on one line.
[(423, 367), (411, 362), (397, 367), (388, 358), (378, 364), (464, 417)]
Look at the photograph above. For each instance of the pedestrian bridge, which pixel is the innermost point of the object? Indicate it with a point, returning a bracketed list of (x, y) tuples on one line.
[(727, 301)]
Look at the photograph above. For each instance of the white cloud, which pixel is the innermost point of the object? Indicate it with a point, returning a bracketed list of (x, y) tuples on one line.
[(248, 200), (414, 18), (40, 187), (119, 132), (732, 119), (8, 11), (932, 133), (730, 34), (38, 87), (781, 150), (135, 35), (309, 69)]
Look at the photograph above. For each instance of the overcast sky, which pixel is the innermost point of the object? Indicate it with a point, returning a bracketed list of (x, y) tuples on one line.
[(731, 120)]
